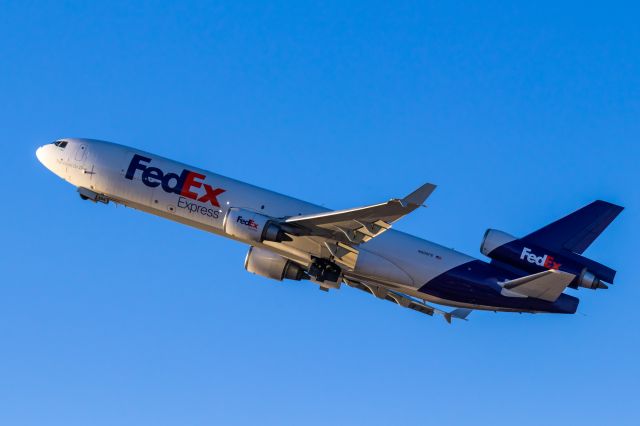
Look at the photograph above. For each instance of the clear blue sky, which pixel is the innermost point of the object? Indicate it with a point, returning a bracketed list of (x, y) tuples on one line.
[(519, 113)]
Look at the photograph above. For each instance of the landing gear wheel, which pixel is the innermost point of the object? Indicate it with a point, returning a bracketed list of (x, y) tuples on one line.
[(324, 270)]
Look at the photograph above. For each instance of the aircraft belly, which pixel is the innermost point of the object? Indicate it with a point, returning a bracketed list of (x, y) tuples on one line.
[(476, 282), (378, 267), (419, 259)]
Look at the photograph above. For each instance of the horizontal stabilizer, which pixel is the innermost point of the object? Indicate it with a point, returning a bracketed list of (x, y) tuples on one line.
[(546, 285)]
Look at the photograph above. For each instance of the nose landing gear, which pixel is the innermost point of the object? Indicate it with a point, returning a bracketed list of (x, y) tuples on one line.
[(87, 194)]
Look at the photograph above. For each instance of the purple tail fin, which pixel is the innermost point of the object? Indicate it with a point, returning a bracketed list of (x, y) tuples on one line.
[(575, 232)]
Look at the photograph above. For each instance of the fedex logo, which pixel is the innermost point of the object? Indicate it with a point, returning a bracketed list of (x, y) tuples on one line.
[(545, 261), (182, 184), (250, 223)]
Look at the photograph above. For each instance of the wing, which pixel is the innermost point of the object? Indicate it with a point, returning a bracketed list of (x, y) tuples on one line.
[(358, 225)]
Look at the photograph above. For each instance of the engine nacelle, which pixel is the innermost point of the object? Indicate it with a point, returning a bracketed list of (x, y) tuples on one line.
[(589, 280), (251, 226), (493, 239), (529, 257), (271, 265)]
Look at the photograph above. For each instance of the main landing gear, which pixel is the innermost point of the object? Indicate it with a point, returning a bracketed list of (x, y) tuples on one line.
[(325, 273)]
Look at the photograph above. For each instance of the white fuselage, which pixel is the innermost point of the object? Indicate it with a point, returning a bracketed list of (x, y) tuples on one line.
[(394, 259)]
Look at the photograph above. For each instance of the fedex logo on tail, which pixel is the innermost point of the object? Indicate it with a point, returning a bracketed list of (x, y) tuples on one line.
[(184, 184), (545, 261)]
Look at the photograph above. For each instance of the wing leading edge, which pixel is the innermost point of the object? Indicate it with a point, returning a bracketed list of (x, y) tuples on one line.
[(358, 225)]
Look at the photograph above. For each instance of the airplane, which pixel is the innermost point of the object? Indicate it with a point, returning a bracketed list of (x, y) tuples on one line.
[(296, 240)]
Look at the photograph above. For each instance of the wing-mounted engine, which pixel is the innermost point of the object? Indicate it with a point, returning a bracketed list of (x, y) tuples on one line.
[(248, 225), (271, 265), (264, 262), (330, 239), (558, 246)]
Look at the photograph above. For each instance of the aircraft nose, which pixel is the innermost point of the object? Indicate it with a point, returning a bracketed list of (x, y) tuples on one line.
[(40, 154), (45, 155)]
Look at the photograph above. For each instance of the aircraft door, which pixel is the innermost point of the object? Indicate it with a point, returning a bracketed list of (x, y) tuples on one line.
[(79, 168), (81, 153)]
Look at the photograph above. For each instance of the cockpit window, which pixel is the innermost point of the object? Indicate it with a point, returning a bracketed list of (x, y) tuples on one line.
[(60, 144)]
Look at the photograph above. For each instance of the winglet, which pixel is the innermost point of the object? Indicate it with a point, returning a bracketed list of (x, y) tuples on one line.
[(419, 196)]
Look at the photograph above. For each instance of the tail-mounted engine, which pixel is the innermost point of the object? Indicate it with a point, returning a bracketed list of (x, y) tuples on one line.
[(530, 257)]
